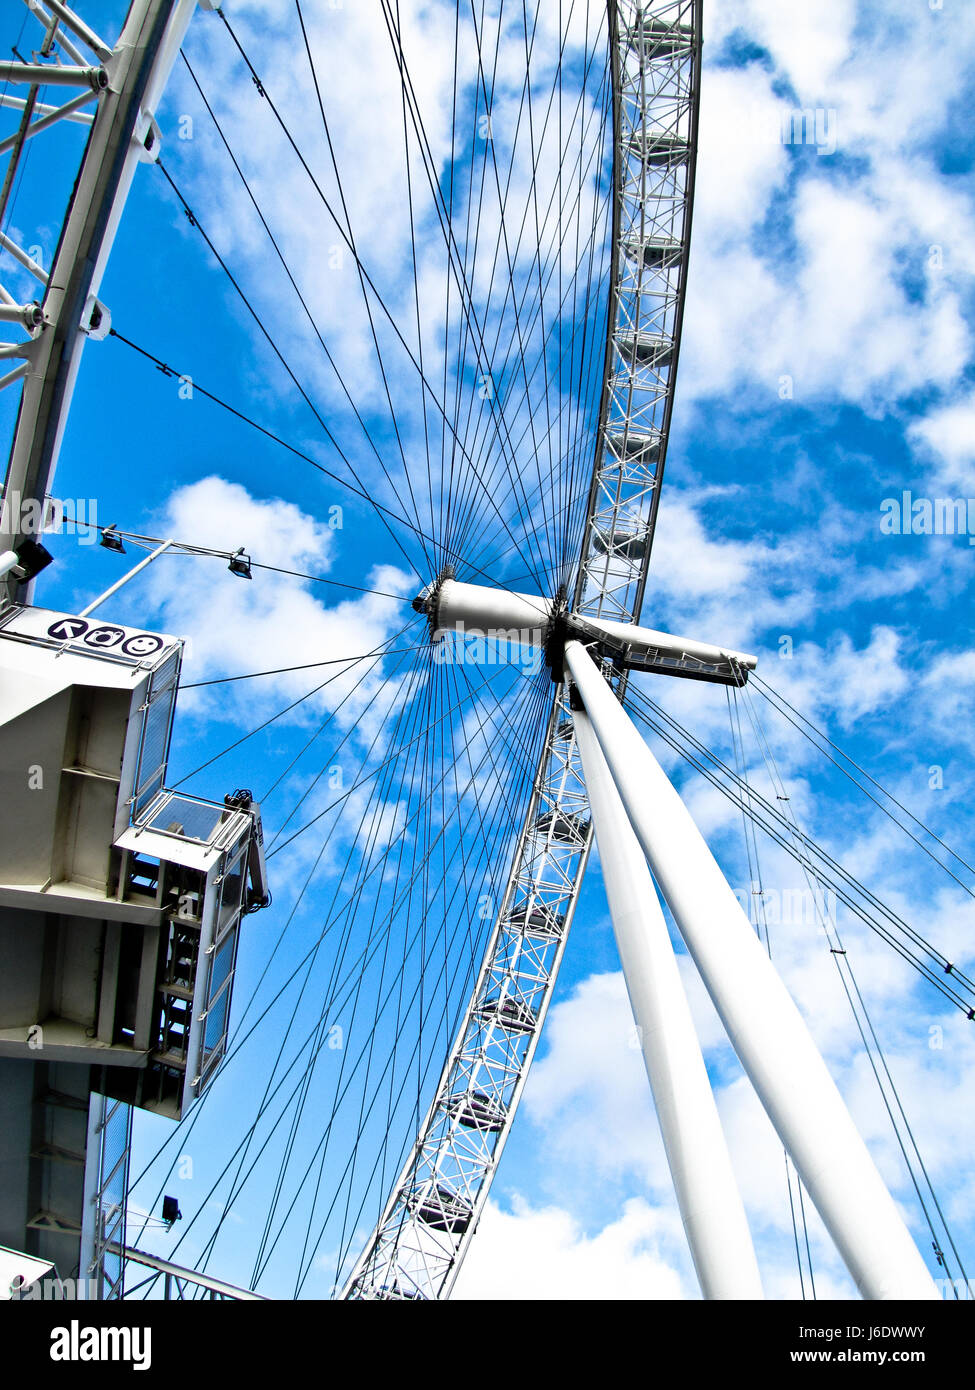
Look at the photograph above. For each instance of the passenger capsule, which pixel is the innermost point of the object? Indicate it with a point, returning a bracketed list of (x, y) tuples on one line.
[(541, 921), (563, 825), (635, 447), (476, 1110), (363, 1290), (512, 1014), (646, 349), (657, 147), (655, 38), (442, 1209), (631, 545), (655, 252)]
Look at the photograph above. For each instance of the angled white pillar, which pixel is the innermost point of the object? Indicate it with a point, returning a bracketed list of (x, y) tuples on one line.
[(762, 1021), (707, 1193)]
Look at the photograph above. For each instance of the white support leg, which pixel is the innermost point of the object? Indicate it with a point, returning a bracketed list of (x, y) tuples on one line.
[(763, 1024), (707, 1193)]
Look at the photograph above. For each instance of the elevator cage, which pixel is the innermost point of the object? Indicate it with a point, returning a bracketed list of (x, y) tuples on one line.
[(120, 900)]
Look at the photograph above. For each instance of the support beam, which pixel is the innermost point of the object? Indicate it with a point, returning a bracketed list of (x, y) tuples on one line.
[(190, 1276), (79, 28), (18, 104), (140, 65), (646, 639), (762, 1021), (15, 375), (707, 1193), (479, 610), (131, 574), (20, 255), (51, 75), (29, 316), (59, 113), (52, 31)]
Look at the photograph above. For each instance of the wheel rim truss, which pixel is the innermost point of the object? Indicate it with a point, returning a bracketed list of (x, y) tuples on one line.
[(433, 1210)]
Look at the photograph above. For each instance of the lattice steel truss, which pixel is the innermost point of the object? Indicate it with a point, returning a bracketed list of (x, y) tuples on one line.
[(656, 72), (118, 91), (433, 1210)]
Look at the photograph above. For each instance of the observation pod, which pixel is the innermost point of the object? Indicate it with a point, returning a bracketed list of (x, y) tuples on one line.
[(442, 1209), (563, 825), (362, 1291), (635, 447), (654, 252), (656, 148), (120, 906), (646, 349), (631, 544), (655, 38), (537, 921), (512, 1014), (476, 1110)]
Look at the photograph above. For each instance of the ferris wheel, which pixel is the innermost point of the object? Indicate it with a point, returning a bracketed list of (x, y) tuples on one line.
[(486, 382)]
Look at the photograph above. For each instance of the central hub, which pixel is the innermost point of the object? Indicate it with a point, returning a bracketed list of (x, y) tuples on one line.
[(493, 615), (499, 616)]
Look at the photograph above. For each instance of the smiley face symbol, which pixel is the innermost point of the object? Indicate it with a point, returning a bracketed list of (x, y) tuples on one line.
[(143, 645)]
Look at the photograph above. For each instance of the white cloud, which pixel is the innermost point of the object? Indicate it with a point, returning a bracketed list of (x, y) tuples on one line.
[(808, 43), (542, 1253), (274, 620), (855, 285), (868, 680), (737, 170), (589, 1090), (946, 436), (948, 684)]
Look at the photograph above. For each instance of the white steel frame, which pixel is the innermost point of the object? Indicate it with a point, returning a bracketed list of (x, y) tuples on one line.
[(127, 82)]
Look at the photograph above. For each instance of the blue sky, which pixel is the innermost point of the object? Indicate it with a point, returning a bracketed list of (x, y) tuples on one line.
[(827, 365)]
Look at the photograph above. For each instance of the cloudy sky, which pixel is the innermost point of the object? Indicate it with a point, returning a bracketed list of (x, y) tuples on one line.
[(826, 369)]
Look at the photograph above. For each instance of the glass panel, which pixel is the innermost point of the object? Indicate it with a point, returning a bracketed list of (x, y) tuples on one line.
[(156, 731), (222, 963), (231, 891), (216, 1022), (210, 1066), (194, 820)]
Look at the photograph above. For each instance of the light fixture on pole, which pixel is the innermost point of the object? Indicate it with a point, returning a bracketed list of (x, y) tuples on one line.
[(111, 540), (26, 561), (240, 564)]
